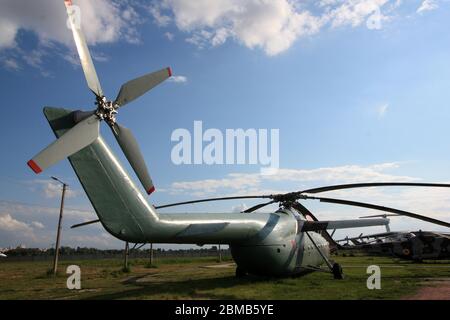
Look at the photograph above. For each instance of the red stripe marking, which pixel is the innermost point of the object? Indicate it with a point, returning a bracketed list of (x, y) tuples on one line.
[(169, 71), (151, 190), (34, 166)]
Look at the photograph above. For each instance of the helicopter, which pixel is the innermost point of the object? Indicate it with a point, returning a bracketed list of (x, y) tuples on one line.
[(409, 245), (289, 241)]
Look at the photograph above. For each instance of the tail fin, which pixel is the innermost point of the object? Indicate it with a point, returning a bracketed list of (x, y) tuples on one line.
[(120, 206)]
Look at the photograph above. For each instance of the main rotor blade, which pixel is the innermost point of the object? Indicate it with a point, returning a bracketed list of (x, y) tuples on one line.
[(209, 199), (258, 206), (132, 152), (84, 224), (381, 208), (379, 215), (83, 50), (305, 211), (135, 88), (374, 184), (80, 136)]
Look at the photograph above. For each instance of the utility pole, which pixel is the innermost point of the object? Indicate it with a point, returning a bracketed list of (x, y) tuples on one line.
[(125, 262), (220, 254), (58, 232), (151, 254)]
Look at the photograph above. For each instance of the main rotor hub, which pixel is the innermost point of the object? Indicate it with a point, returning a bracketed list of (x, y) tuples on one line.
[(106, 110)]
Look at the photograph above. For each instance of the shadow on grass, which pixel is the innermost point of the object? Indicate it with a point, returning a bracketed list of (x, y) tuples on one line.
[(186, 289), (50, 275)]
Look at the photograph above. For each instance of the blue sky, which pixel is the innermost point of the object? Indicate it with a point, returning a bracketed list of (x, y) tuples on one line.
[(353, 100)]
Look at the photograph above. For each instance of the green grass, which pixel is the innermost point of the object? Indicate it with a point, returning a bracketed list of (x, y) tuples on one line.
[(187, 278)]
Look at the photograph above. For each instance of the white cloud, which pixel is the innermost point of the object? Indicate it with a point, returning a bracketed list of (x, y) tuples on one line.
[(30, 210), (178, 79), (355, 12), (34, 225), (102, 21), (169, 35), (50, 189), (427, 5), (8, 223), (239, 208), (11, 64), (103, 240), (37, 224), (8, 32), (34, 58), (433, 202), (255, 181), (272, 25), (160, 19), (14, 232)]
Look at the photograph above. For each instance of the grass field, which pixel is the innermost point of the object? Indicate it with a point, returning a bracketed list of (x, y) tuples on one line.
[(204, 278)]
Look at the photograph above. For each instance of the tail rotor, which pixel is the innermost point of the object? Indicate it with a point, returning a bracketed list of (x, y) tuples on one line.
[(87, 128)]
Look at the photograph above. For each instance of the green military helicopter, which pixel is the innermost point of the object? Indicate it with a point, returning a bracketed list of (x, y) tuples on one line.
[(410, 245), (289, 241)]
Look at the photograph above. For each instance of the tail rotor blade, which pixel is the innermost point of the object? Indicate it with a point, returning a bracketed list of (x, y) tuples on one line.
[(135, 88), (80, 136), (83, 51), (130, 148)]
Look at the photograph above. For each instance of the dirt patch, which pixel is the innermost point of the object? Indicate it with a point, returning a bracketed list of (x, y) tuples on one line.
[(433, 290)]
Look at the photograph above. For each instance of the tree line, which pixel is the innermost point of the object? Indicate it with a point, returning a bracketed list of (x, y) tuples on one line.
[(28, 252)]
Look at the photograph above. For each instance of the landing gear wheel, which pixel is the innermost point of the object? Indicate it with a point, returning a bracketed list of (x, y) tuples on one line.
[(337, 271), (240, 273)]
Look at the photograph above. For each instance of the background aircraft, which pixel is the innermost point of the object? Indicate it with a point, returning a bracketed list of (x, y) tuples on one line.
[(411, 245)]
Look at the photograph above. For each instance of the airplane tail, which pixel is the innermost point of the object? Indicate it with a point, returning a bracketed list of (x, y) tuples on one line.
[(107, 185)]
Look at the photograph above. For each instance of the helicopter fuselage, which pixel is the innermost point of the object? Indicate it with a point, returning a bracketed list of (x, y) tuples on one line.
[(281, 250)]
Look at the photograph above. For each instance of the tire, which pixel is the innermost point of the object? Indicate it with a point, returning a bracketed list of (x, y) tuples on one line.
[(337, 271), (406, 252)]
